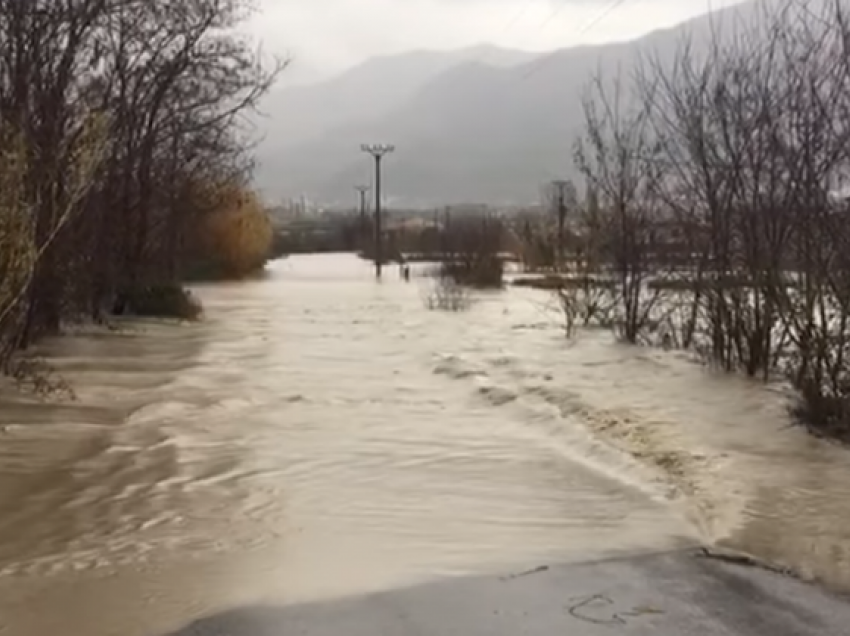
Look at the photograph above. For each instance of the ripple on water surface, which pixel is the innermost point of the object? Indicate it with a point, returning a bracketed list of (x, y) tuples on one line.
[(321, 434)]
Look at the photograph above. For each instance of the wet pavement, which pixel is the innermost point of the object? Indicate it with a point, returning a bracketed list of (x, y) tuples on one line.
[(675, 594)]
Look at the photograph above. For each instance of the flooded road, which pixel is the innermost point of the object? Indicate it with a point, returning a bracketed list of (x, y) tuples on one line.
[(320, 435)]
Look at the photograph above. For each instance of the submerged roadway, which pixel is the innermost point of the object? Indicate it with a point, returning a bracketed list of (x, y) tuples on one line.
[(670, 594)]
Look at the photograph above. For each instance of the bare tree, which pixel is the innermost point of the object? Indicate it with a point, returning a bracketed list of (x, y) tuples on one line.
[(123, 119), (616, 155), (734, 192), (472, 246)]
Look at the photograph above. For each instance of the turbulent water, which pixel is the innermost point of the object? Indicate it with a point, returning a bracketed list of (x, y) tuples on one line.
[(321, 435)]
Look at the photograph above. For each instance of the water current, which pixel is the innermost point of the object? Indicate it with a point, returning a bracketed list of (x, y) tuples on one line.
[(321, 435)]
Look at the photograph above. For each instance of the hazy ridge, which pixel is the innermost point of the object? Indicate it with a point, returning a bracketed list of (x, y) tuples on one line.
[(482, 124)]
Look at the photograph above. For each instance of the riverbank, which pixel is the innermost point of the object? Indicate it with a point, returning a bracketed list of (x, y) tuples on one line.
[(745, 474), (176, 302), (727, 322), (758, 484)]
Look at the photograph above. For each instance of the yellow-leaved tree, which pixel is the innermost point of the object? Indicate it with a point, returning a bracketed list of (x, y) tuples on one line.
[(236, 235)]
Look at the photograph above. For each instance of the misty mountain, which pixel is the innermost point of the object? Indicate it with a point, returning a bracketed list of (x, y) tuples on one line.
[(299, 72), (467, 127), (297, 114)]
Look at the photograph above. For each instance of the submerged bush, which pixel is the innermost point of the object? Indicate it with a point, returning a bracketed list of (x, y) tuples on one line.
[(36, 376), (484, 273), (823, 415), (447, 295), (472, 246), (160, 301)]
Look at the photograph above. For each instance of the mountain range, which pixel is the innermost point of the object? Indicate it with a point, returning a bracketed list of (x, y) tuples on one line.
[(484, 124)]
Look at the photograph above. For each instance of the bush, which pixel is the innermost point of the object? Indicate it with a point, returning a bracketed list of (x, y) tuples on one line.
[(823, 416), (235, 239), (482, 273), (160, 301), (590, 304), (447, 295), (472, 247), (36, 376)]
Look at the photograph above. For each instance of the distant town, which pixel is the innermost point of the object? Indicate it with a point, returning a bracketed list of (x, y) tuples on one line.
[(303, 225)]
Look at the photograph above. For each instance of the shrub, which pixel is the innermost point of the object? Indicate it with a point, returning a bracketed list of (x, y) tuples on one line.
[(823, 415), (483, 273), (472, 248), (161, 301), (36, 376), (447, 295), (235, 239)]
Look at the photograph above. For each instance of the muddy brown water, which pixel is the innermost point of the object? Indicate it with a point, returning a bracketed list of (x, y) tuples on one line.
[(320, 435)]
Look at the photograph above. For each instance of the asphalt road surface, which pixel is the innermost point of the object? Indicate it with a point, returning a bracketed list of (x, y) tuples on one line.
[(673, 594)]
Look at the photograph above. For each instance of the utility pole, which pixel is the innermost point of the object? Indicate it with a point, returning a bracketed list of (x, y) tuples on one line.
[(378, 151), (446, 243), (363, 190), (560, 196)]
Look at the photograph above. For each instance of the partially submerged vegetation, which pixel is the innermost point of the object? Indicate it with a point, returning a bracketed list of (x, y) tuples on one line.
[(330, 233), (157, 301), (712, 216), (468, 246), (713, 210), (472, 253), (122, 164), (445, 294), (233, 240), (468, 257)]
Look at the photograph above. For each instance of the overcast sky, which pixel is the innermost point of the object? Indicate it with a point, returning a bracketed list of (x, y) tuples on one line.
[(325, 36)]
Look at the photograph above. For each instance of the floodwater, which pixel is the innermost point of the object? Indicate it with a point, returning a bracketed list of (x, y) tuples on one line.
[(321, 435)]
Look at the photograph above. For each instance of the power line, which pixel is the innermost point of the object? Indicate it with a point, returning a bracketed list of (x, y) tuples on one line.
[(542, 61), (517, 17), (508, 26), (552, 15)]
